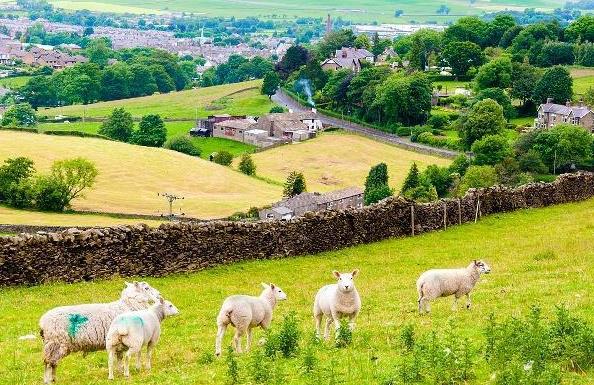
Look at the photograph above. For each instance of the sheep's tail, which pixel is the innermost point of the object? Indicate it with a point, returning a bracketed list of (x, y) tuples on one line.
[(224, 317), (420, 290), (122, 330)]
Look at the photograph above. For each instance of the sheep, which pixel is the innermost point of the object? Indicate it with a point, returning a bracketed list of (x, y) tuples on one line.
[(245, 313), (132, 330), (82, 328), (445, 282), (337, 301)]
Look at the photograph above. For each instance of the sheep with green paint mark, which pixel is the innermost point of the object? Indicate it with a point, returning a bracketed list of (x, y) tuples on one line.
[(130, 331), (82, 328)]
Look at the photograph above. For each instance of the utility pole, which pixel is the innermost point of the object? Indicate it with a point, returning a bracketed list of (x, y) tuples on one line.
[(170, 198), (555, 163)]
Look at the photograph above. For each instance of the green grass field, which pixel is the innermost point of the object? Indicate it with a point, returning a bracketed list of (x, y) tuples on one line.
[(14, 82), (367, 11), (246, 100), (512, 243)]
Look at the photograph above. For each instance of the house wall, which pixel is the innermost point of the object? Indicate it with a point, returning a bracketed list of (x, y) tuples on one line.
[(228, 133)]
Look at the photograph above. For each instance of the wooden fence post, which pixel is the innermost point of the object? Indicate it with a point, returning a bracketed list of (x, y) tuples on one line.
[(459, 211), (478, 207), (412, 219), (445, 215)]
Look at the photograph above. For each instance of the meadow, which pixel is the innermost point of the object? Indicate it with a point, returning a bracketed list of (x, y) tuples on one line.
[(366, 11), (538, 257), (234, 99), (14, 82)]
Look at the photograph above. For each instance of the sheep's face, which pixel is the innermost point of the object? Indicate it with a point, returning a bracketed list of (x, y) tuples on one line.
[(279, 294), (482, 267), (141, 292), (151, 291), (346, 281), (169, 309)]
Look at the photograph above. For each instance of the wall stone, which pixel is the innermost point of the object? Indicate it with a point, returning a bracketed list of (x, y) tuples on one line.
[(79, 255)]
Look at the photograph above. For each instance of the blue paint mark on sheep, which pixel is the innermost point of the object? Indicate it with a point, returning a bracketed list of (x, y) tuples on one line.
[(76, 321), (132, 320)]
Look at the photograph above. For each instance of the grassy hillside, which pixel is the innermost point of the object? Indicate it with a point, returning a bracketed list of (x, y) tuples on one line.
[(14, 82), (337, 160), (367, 11), (583, 79), (131, 176), (246, 100), (389, 269)]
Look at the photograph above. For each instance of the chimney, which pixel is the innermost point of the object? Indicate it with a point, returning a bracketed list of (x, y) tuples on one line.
[(568, 103), (549, 100), (344, 53), (581, 103), (314, 110), (290, 110)]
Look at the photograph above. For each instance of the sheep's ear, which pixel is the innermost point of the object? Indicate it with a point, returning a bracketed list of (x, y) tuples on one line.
[(336, 274), (272, 286), (355, 273), (264, 285), (162, 300)]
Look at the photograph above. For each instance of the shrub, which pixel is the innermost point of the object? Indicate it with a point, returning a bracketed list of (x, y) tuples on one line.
[(12, 172), (476, 177), (276, 110), (75, 175), (440, 178), (118, 125), (20, 114), (247, 165), (310, 360), (260, 368), (531, 162), (183, 144), (294, 185), (402, 131), (376, 184), (418, 130), (460, 165), (407, 336), (344, 335), (80, 134), (223, 158), (151, 132), (491, 149), (20, 195), (51, 194), (438, 121), (439, 141), (286, 341)]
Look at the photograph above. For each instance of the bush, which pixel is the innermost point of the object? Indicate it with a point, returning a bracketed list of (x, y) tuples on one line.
[(376, 184), (286, 340), (20, 195), (402, 131), (491, 149), (184, 145), (438, 121), (476, 177), (247, 165), (118, 125), (276, 110), (439, 141), (20, 114), (223, 158), (80, 134), (51, 194), (151, 132), (418, 130), (12, 173)]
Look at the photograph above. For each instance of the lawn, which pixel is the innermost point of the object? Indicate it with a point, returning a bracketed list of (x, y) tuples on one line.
[(450, 86), (24, 217), (211, 145), (338, 160), (196, 103), (513, 244), (14, 82), (131, 176)]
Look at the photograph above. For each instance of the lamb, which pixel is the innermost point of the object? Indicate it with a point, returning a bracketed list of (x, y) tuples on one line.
[(337, 301), (82, 328), (445, 282), (130, 331), (245, 313)]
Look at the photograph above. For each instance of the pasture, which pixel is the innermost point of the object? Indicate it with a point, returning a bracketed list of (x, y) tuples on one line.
[(234, 99), (338, 160), (14, 82), (538, 257), (367, 11), (131, 176)]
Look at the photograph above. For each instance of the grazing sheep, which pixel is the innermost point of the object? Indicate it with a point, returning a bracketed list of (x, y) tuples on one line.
[(445, 282), (337, 301), (82, 328), (245, 313), (132, 330)]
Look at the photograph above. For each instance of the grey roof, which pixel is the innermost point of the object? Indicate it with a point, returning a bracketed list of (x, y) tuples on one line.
[(240, 124), (337, 195), (559, 109), (307, 199), (354, 53), (282, 210)]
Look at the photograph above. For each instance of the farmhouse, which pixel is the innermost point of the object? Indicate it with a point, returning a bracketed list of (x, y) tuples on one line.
[(348, 58), (287, 124), (551, 114), (314, 202), (233, 128)]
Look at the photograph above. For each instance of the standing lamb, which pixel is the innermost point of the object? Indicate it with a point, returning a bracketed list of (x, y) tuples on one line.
[(445, 282), (130, 331), (245, 313), (82, 328), (337, 301)]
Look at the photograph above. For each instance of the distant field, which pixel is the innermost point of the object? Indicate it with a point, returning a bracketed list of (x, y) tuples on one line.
[(366, 11), (581, 85), (131, 176), (337, 160), (181, 105), (450, 85), (14, 82)]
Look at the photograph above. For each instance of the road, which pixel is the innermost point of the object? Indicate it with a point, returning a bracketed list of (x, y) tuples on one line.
[(287, 101)]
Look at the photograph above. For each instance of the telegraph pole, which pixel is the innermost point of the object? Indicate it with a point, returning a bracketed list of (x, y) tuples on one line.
[(170, 198)]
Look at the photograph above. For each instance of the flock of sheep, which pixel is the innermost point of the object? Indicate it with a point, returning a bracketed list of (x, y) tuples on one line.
[(125, 326)]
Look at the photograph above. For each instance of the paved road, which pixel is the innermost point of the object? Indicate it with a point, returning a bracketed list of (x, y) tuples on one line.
[(285, 100)]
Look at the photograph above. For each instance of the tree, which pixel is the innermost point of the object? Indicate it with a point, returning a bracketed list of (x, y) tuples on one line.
[(412, 180), (151, 132), (362, 41), (497, 28), (295, 57), (501, 98), (75, 174), (459, 165), (462, 56), (423, 44), (223, 158), (270, 84), (39, 91), (333, 41), (491, 149), (276, 110), (50, 194), (20, 114), (496, 73), (247, 165), (12, 172), (556, 83), (404, 99), (183, 144), (556, 53), (581, 29), (164, 82), (294, 185), (563, 145), (98, 52), (477, 177), (530, 161), (142, 81), (118, 125), (467, 29), (115, 82), (440, 178), (524, 80), (376, 184), (485, 118)]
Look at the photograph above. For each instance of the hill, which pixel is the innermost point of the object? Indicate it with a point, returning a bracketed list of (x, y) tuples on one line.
[(235, 99), (378, 10), (547, 250), (131, 176), (337, 160)]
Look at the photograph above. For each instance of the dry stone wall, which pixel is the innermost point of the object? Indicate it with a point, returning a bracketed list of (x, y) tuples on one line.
[(76, 255)]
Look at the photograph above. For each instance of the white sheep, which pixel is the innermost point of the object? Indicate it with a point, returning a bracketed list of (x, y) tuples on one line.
[(246, 312), (82, 328), (132, 330), (445, 282), (337, 301)]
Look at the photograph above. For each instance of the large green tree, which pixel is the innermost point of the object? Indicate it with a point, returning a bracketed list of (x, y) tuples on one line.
[(151, 132), (524, 80), (20, 114), (563, 145), (462, 56), (270, 84), (118, 125), (376, 184), (496, 73), (555, 83), (491, 149), (294, 185), (485, 118), (40, 91)]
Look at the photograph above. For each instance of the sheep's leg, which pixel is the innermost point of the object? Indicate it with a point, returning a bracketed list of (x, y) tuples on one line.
[(420, 304), (110, 361), (427, 305), (126, 361), (237, 340), (327, 328), (52, 353), (47, 374), (149, 355), (139, 360), (455, 304), (249, 339), (120, 360), (468, 302), (318, 318), (220, 333)]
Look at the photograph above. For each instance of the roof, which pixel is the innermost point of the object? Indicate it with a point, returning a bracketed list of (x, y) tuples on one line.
[(307, 199), (289, 125), (240, 124), (354, 53), (341, 194), (282, 210), (559, 109)]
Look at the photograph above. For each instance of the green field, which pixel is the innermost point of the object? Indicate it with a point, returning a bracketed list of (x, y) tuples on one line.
[(234, 99), (520, 278), (366, 11), (14, 82)]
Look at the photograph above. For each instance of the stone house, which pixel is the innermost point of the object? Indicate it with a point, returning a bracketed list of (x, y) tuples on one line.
[(551, 114), (296, 126), (314, 202), (348, 58), (233, 129)]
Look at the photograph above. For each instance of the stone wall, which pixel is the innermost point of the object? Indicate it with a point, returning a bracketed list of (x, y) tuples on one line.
[(77, 255)]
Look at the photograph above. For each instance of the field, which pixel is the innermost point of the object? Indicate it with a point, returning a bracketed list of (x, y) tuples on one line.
[(191, 104), (366, 11), (14, 82), (337, 160), (131, 176), (583, 79), (388, 272)]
